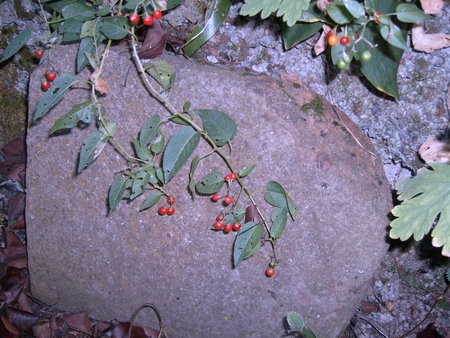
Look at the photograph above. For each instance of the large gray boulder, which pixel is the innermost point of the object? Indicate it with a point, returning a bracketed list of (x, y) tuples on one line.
[(81, 258)]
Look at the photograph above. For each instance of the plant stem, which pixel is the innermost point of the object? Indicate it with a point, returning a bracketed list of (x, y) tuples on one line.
[(173, 111)]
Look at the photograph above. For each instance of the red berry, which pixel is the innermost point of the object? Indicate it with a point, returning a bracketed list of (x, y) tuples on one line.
[(157, 14), (379, 13), (270, 272), (345, 40), (218, 225), (228, 178), (333, 40), (134, 18), (228, 200), (236, 226), (46, 85), (148, 20), (171, 200), (357, 36), (233, 176), (220, 218), (162, 211), (215, 197), (39, 53), (170, 211), (227, 228), (330, 33), (51, 76)]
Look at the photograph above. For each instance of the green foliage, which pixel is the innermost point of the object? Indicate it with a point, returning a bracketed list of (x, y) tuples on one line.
[(276, 196), (162, 72), (216, 14), (84, 112), (180, 147), (247, 242), (151, 200), (16, 44), (425, 201), (246, 171), (218, 125), (210, 184), (293, 35), (150, 130), (289, 10), (116, 192), (410, 13), (297, 325), (279, 219), (59, 88)]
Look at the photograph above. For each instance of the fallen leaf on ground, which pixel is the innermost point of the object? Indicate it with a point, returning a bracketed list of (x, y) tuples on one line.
[(154, 42), (321, 45), (432, 6), (428, 42), (121, 331), (432, 151), (99, 83)]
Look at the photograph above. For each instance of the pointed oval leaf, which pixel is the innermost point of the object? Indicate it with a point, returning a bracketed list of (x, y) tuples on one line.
[(279, 219), (410, 13), (215, 15), (115, 28), (84, 112), (218, 125), (116, 192), (393, 35), (179, 148), (159, 144), (142, 152), (275, 195), (86, 47), (295, 321), (91, 148), (139, 183), (338, 13), (162, 72), (293, 35), (149, 130), (16, 44), (247, 242), (355, 8), (246, 171), (79, 11), (151, 200), (191, 186), (56, 92), (210, 184), (293, 209)]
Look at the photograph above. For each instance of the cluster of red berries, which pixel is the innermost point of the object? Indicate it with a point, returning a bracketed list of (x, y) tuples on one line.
[(147, 19), (334, 39), (226, 227), (227, 199), (169, 210), (49, 77)]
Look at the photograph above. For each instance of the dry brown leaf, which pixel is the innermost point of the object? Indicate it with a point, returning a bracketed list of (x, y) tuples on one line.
[(321, 45), (42, 331), (79, 321), (432, 6), (22, 320), (428, 42), (154, 42), (100, 84), (162, 4), (10, 327), (433, 151)]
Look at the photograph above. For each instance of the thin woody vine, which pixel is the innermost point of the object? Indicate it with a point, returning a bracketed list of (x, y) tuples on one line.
[(155, 162)]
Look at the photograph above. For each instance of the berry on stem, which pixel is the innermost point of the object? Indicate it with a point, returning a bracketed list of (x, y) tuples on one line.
[(270, 272), (171, 200), (227, 228), (170, 211), (50, 76), (218, 225), (39, 53), (342, 64), (227, 178), (233, 176), (148, 20), (162, 211), (236, 226), (157, 14), (134, 18), (220, 218), (228, 200), (333, 40), (46, 85), (215, 197), (345, 40)]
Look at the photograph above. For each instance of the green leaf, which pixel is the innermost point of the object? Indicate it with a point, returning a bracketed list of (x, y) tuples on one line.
[(151, 200), (142, 152), (410, 13), (88, 29), (299, 32), (131, 4), (425, 200), (338, 13), (266, 7), (275, 195), (393, 35), (115, 28), (295, 321), (181, 145), (16, 44), (354, 8), (56, 92), (307, 333), (139, 182), (191, 186), (150, 130), (84, 112), (86, 47), (92, 148), (218, 125), (158, 146), (246, 171), (162, 72), (160, 175), (291, 10), (79, 11), (58, 5), (293, 209), (279, 219), (71, 30), (210, 184), (116, 192), (314, 14), (173, 3), (216, 14), (247, 242), (381, 70)]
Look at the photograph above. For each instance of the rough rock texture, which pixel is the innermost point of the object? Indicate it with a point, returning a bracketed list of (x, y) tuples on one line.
[(83, 259)]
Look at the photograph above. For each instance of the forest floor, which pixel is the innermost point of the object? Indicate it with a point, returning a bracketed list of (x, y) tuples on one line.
[(410, 287)]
